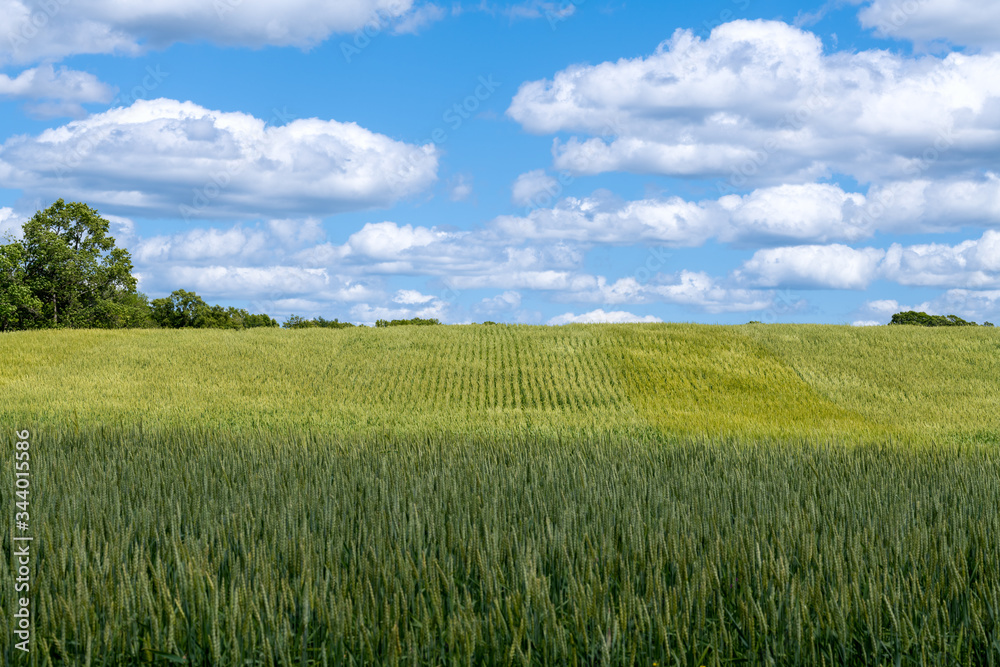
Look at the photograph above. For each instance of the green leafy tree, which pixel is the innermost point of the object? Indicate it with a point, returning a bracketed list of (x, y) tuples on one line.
[(923, 319), (298, 322), (74, 269), (183, 309), (17, 303), (416, 321)]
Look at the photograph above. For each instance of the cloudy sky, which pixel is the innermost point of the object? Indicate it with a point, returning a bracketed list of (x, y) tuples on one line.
[(532, 161)]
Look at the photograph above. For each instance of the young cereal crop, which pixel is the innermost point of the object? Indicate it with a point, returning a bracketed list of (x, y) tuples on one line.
[(617, 495)]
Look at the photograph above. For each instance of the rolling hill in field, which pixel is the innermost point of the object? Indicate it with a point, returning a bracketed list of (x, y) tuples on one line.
[(507, 495), (753, 380)]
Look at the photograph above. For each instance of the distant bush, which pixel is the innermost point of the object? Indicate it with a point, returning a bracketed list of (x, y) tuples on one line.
[(925, 320), (416, 321), (296, 322)]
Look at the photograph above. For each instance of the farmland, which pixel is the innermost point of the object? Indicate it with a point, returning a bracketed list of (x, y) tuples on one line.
[(607, 494)]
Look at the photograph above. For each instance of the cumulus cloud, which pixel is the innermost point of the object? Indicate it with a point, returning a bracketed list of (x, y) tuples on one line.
[(814, 266), (971, 264), (411, 297), (962, 22), (508, 300), (693, 289), (460, 187), (177, 159), (600, 317), (531, 184), (760, 102), (367, 313), (55, 92), (34, 31), (975, 305), (809, 212)]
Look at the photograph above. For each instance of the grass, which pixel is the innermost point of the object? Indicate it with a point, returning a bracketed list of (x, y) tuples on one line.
[(634, 494)]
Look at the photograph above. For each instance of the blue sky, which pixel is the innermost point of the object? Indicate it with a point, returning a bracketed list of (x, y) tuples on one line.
[(537, 162)]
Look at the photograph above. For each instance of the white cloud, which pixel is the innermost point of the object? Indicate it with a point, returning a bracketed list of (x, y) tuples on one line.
[(971, 264), (508, 300), (974, 305), (460, 188), (600, 317), (368, 313), (178, 159), (963, 22), (34, 31), (418, 19), (536, 9), (530, 185), (203, 244), (246, 281), (760, 102), (968, 304), (387, 240), (10, 223), (604, 219), (411, 297), (63, 91), (811, 211), (866, 323), (693, 289), (813, 266)]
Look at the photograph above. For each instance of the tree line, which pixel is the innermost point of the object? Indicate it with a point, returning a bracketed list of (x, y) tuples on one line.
[(67, 272), (922, 319)]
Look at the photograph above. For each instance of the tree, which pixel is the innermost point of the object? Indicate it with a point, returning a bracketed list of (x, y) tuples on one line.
[(73, 268), (182, 310), (925, 320), (416, 321), (298, 322), (17, 303)]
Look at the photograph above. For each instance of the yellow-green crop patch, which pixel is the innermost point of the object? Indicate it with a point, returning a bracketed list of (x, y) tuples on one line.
[(753, 381)]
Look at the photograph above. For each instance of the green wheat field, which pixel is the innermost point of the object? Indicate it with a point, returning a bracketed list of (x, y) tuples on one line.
[(647, 494)]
